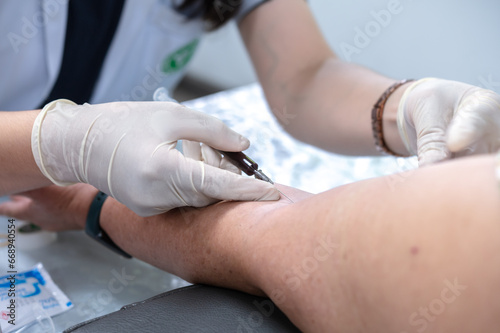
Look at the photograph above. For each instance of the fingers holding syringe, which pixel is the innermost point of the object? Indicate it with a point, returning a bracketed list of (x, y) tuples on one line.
[(206, 154), (225, 185)]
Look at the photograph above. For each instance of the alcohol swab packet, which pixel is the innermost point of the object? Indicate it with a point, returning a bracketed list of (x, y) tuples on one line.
[(28, 297)]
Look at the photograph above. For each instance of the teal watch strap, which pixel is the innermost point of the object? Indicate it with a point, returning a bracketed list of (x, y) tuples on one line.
[(93, 226)]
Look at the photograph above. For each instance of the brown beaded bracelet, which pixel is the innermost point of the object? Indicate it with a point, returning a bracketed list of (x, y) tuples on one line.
[(377, 112)]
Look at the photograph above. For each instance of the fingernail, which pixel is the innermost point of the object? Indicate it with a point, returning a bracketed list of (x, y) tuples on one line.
[(244, 142), (271, 194)]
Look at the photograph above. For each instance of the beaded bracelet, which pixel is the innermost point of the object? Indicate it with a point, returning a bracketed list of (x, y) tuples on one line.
[(377, 113)]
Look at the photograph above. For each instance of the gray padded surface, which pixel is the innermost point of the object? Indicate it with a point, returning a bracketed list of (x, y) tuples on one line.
[(195, 308)]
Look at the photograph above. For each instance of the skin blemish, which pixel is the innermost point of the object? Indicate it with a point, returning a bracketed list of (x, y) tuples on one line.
[(414, 250)]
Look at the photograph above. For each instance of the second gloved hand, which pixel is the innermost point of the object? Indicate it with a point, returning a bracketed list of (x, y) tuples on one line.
[(127, 150), (440, 119)]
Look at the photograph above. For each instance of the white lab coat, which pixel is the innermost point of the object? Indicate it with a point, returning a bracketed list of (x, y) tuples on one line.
[(150, 34)]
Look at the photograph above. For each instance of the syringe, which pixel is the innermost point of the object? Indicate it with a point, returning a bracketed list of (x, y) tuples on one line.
[(239, 159), (248, 166)]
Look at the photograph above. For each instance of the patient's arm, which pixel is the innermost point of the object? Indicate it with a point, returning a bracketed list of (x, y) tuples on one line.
[(408, 252), (211, 245), (404, 253)]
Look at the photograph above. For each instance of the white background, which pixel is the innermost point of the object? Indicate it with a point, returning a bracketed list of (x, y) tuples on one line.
[(452, 39)]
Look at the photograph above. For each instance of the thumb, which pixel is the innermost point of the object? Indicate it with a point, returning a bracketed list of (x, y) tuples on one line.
[(474, 115), (432, 147), (15, 207), (430, 121), (225, 185), (464, 131)]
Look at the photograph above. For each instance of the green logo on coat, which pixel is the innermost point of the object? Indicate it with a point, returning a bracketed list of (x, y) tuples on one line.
[(179, 59)]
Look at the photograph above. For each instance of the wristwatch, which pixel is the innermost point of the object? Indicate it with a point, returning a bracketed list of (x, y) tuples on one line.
[(93, 226)]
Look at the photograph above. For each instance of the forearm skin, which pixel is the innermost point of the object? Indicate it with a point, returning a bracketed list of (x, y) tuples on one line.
[(363, 257), (18, 170)]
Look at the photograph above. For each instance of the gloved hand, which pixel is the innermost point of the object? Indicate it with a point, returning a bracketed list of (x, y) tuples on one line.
[(202, 152), (127, 150), (440, 119)]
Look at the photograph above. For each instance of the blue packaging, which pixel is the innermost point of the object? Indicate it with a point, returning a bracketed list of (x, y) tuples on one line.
[(28, 297)]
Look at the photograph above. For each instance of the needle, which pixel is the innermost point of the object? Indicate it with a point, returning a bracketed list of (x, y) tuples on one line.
[(248, 166), (260, 175), (240, 160)]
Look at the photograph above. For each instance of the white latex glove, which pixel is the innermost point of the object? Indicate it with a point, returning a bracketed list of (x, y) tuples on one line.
[(127, 150), (440, 119), (201, 152)]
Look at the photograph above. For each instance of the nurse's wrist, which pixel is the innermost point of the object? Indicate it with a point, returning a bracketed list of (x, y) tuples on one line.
[(391, 134)]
